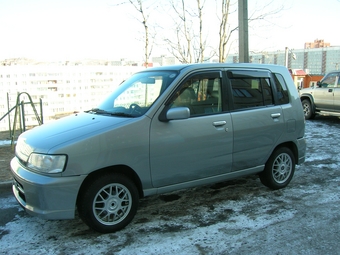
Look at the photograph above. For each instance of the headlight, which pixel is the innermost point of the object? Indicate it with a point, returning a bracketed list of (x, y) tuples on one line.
[(47, 163)]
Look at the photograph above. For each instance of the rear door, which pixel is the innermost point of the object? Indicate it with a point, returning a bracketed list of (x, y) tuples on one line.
[(257, 122), (336, 97), (198, 147)]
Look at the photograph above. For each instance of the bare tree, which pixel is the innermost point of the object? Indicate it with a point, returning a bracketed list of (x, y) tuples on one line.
[(225, 30), (189, 46), (183, 31), (138, 5), (200, 17)]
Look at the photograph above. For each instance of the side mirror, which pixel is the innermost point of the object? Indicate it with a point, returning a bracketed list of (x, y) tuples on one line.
[(319, 84), (178, 113)]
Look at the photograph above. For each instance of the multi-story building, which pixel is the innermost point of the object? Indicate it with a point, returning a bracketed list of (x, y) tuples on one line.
[(316, 44), (165, 60), (62, 89), (71, 87), (314, 61)]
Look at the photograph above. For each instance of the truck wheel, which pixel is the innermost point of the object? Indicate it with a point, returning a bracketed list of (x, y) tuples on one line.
[(109, 203), (307, 109), (279, 169)]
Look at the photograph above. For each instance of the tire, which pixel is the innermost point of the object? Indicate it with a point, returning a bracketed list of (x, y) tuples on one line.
[(109, 203), (279, 169), (308, 109)]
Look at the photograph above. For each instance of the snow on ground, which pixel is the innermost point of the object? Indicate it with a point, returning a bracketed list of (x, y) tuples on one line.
[(5, 142), (235, 217)]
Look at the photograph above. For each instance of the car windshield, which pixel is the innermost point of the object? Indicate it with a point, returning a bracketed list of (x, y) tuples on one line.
[(135, 96)]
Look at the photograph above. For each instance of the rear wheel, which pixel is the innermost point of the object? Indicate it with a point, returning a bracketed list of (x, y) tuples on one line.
[(307, 109), (109, 203), (279, 169)]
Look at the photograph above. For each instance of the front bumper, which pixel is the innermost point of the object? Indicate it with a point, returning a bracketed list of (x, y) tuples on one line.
[(45, 196)]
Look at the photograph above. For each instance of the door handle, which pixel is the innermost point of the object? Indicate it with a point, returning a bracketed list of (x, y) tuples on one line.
[(219, 123), (275, 115)]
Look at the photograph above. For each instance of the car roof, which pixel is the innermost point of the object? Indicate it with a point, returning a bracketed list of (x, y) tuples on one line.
[(188, 67)]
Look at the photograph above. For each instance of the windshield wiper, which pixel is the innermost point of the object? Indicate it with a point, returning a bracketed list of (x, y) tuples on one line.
[(97, 110), (122, 114), (101, 111)]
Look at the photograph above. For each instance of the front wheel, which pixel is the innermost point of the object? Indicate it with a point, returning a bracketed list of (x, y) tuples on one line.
[(109, 203), (279, 169), (307, 109)]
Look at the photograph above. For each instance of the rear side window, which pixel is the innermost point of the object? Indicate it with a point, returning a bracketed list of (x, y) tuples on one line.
[(250, 90), (281, 89)]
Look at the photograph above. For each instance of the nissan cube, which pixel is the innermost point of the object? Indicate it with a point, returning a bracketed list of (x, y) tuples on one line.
[(163, 129)]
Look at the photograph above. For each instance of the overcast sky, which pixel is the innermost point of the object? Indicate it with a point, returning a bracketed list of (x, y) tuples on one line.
[(78, 29)]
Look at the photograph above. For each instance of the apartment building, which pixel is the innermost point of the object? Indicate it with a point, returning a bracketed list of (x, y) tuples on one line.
[(316, 44), (62, 89), (314, 61)]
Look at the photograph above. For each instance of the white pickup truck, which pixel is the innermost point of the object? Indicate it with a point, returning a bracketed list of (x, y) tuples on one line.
[(324, 97)]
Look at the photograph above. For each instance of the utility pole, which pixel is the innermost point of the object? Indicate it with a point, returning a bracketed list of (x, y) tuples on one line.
[(243, 42), (287, 50)]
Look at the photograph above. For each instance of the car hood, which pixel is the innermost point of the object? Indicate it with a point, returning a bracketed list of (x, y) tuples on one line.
[(43, 138)]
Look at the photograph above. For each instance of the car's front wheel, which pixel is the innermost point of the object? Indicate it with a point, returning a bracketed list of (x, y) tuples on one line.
[(307, 109), (109, 203), (279, 169)]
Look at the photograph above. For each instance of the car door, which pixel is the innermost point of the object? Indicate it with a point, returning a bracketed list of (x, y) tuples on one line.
[(197, 147), (257, 122), (336, 93), (324, 94)]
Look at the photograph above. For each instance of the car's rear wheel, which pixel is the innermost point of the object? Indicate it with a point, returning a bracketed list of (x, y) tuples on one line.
[(307, 109), (109, 203), (279, 169)]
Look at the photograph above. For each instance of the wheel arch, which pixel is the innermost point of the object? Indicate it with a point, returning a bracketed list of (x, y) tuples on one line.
[(309, 97), (120, 169), (292, 146)]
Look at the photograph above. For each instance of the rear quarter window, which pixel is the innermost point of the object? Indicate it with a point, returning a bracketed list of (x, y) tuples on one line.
[(251, 92), (282, 96)]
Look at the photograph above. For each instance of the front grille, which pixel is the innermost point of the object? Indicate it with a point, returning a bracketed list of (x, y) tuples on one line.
[(20, 189)]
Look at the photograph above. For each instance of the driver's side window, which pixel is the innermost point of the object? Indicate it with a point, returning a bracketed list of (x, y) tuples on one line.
[(201, 94), (330, 81)]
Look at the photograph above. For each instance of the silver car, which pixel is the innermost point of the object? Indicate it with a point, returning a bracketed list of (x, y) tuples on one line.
[(163, 129)]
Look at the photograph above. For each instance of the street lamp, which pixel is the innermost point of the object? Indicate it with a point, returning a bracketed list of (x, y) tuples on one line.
[(286, 56)]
